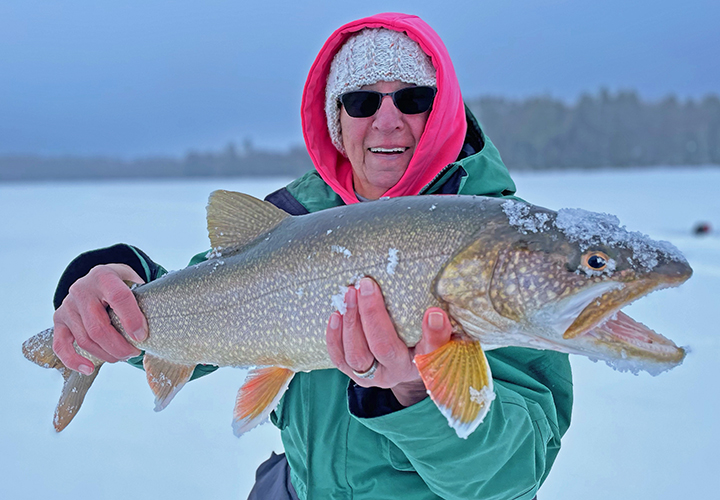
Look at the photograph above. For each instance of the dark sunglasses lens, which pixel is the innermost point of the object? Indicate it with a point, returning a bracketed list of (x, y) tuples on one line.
[(414, 100), (361, 104)]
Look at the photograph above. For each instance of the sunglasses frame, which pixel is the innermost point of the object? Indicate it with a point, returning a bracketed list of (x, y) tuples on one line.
[(382, 96)]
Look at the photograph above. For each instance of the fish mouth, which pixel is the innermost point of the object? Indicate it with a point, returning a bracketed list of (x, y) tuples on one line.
[(598, 311), (628, 340), (602, 331)]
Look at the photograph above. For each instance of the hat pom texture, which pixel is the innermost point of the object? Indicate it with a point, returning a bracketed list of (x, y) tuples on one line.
[(373, 55)]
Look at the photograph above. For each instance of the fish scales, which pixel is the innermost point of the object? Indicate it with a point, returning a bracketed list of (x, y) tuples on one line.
[(245, 309)]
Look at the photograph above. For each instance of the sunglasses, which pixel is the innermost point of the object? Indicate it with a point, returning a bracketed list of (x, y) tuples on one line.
[(410, 101)]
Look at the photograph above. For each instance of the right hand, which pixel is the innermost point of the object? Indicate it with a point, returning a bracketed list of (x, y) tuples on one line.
[(83, 318)]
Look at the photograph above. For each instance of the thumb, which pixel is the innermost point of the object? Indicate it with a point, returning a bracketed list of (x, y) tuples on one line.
[(436, 331)]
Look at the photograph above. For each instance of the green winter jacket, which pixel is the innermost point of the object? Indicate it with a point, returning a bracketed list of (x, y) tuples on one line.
[(413, 453)]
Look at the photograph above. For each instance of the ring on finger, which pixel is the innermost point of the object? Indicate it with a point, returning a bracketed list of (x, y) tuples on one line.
[(370, 372)]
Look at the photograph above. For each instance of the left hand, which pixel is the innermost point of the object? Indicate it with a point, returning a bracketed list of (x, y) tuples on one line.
[(366, 333)]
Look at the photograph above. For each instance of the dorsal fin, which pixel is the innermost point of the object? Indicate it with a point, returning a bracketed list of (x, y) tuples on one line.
[(235, 219)]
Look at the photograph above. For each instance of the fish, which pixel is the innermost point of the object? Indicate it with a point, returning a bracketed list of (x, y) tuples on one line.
[(508, 273)]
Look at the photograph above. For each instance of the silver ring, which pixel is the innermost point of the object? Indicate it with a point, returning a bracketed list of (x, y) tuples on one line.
[(370, 372)]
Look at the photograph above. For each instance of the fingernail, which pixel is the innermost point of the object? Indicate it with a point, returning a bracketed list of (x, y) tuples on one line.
[(85, 369), (436, 320), (367, 287), (334, 321), (351, 298), (139, 335)]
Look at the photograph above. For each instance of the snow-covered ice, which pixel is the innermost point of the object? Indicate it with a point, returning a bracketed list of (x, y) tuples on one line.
[(631, 437)]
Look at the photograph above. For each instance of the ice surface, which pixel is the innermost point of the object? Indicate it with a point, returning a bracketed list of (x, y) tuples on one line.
[(631, 437)]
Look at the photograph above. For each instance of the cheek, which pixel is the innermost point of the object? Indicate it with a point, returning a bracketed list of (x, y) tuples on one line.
[(353, 131), (417, 124)]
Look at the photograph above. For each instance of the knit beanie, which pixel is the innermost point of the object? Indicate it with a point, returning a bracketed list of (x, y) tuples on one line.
[(373, 55)]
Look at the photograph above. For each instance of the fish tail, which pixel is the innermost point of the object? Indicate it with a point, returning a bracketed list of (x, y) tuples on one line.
[(38, 349)]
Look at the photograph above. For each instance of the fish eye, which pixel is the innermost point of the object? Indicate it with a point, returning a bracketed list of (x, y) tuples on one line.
[(597, 261)]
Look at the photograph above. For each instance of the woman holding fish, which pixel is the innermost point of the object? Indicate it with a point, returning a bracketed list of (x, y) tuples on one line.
[(383, 116)]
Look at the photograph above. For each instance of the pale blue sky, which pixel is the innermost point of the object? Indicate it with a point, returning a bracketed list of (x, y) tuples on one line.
[(142, 77)]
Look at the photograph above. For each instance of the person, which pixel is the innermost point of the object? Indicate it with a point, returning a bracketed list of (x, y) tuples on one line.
[(382, 115)]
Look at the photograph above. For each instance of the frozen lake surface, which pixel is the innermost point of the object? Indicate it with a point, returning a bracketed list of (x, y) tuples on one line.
[(632, 436)]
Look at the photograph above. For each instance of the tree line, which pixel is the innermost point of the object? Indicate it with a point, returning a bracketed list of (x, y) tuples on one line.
[(602, 130)]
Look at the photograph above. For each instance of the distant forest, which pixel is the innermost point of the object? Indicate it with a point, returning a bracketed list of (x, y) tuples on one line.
[(539, 133), (604, 130)]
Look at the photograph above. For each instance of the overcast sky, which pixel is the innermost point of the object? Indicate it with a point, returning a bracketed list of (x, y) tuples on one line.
[(146, 77)]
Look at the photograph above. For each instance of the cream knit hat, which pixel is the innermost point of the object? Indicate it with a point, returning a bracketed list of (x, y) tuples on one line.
[(373, 55)]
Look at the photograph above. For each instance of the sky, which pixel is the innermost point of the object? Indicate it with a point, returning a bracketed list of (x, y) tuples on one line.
[(138, 78)]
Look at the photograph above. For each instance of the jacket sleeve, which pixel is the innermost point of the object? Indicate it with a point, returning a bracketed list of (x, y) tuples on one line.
[(120, 253), (510, 453)]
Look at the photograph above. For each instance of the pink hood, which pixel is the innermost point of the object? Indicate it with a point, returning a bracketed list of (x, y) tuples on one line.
[(444, 132)]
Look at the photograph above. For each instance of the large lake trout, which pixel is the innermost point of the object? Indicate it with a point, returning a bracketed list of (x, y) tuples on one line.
[(508, 274)]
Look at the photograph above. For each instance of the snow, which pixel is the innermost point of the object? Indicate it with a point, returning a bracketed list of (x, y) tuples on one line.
[(338, 300), (392, 260), (518, 214), (631, 436), (341, 250), (590, 228)]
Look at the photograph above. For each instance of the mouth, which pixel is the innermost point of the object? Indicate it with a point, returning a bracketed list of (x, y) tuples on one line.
[(630, 341), (602, 331), (596, 312), (388, 151)]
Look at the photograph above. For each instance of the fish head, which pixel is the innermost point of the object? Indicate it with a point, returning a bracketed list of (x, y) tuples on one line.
[(557, 280)]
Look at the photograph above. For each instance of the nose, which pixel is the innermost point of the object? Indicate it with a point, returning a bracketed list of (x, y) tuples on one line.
[(388, 117)]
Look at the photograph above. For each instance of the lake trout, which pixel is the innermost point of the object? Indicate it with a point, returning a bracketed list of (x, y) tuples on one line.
[(508, 273)]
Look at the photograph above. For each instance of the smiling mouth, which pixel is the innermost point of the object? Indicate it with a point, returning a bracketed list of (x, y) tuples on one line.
[(388, 151)]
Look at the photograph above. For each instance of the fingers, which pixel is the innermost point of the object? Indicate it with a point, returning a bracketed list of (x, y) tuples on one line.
[(122, 300), (83, 319), (382, 339), (63, 347), (355, 346), (365, 333), (333, 336)]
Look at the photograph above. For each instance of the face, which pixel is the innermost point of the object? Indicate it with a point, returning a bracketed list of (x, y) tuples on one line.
[(380, 147)]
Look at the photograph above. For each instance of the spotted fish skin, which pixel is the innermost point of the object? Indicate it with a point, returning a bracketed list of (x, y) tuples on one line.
[(508, 274), (269, 303)]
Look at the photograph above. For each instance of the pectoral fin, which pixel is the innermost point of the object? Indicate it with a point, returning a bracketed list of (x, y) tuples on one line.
[(165, 378), (458, 379), (258, 396)]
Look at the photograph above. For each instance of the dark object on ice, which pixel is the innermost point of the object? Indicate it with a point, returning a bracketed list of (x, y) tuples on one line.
[(702, 228)]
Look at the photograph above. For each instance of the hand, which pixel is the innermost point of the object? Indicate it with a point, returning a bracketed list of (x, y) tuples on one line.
[(365, 333), (83, 318)]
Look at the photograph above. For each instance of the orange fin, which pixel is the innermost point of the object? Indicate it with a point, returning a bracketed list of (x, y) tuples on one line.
[(165, 378), (458, 380), (258, 396), (38, 349)]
